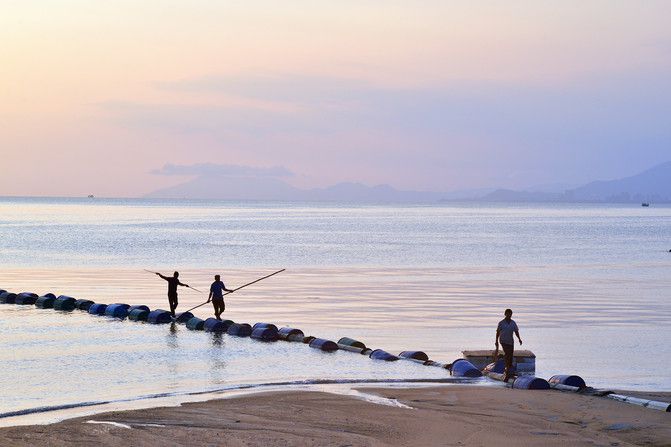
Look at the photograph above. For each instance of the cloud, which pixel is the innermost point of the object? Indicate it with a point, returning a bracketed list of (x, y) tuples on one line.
[(470, 133), (211, 169)]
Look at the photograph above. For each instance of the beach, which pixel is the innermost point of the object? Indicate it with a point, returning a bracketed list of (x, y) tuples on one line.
[(449, 416)]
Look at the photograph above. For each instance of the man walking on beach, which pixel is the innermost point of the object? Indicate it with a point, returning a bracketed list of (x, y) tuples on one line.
[(173, 282), (217, 290), (504, 333)]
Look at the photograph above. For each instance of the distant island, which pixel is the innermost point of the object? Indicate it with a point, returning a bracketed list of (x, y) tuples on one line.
[(650, 186)]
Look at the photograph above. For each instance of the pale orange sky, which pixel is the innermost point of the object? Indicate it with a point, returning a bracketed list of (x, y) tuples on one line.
[(422, 95)]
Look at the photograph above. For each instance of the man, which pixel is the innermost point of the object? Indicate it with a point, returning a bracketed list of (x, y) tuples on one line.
[(217, 290), (504, 333), (172, 290)]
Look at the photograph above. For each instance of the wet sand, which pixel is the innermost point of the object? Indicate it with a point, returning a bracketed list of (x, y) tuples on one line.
[(451, 416)]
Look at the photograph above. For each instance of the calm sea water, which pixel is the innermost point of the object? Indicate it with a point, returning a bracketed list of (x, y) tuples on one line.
[(589, 285)]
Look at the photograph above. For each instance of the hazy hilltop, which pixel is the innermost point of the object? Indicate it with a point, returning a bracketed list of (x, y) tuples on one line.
[(267, 184), (273, 189), (651, 185)]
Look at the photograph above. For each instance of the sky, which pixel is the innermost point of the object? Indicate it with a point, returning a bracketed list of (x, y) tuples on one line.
[(120, 98)]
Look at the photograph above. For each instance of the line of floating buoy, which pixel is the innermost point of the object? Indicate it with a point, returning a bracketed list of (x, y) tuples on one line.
[(269, 332)]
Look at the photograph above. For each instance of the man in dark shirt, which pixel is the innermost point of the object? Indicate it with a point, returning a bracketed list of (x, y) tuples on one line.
[(217, 290), (504, 333), (172, 290)]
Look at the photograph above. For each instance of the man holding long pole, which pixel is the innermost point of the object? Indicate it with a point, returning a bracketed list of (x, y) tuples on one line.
[(217, 290), (173, 282)]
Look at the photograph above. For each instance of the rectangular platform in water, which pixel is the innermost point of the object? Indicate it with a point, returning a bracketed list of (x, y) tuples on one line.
[(525, 360)]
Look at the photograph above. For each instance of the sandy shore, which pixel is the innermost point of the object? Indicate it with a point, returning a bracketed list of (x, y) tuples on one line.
[(450, 416)]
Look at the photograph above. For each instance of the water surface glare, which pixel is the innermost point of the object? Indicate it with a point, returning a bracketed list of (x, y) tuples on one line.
[(589, 285)]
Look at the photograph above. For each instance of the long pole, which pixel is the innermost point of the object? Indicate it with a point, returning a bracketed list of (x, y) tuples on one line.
[(234, 290)]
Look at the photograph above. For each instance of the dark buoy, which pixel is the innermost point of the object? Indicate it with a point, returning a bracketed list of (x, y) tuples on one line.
[(25, 298), (138, 306), (308, 339), (349, 344), (159, 316), (218, 326), (195, 324), (239, 330), (97, 309), (379, 354), (117, 310), (290, 334), (264, 325), (414, 355), (46, 301), (7, 298), (324, 345), (530, 383), (464, 368), (84, 304), (184, 317), (497, 367), (66, 303), (138, 314), (575, 381), (263, 333), (346, 341)]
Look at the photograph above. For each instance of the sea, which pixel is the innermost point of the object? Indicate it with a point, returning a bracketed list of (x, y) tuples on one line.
[(589, 285)]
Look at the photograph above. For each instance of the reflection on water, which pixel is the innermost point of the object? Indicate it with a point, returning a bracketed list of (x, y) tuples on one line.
[(439, 311), (589, 286)]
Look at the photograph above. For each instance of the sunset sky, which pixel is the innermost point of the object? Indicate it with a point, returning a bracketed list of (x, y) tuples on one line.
[(97, 96)]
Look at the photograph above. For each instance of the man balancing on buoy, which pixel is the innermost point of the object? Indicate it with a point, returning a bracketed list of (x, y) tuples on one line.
[(217, 290), (504, 333), (173, 282)]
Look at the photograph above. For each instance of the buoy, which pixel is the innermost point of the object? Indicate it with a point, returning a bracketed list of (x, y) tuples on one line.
[(214, 325), (379, 354), (117, 310), (415, 356), (308, 339), (464, 368), (83, 304), (349, 344), (138, 314), (264, 325), (183, 317), (159, 316), (66, 303), (265, 333), (324, 345), (290, 334), (530, 383), (25, 298), (46, 301), (138, 306), (7, 298), (195, 324), (239, 330), (568, 380), (97, 309), (497, 367)]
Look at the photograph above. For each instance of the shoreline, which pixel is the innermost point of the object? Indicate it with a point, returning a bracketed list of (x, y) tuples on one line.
[(445, 415)]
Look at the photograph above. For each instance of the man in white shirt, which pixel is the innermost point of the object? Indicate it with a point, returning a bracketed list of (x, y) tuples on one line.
[(504, 333)]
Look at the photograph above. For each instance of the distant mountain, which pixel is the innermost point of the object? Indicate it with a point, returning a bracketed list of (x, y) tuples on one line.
[(273, 189), (652, 185)]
